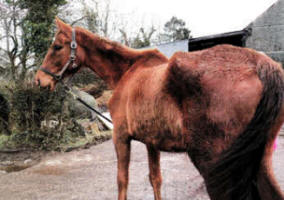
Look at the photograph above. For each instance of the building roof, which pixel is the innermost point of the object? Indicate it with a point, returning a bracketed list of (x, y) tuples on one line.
[(236, 38), (168, 49)]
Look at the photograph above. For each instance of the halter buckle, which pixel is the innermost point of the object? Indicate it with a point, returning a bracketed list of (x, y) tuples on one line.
[(57, 77), (73, 45), (74, 65)]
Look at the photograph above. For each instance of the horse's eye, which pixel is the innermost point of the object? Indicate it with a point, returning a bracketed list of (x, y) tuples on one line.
[(57, 47)]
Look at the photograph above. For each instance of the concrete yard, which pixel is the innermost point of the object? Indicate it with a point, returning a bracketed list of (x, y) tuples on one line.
[(90, 174)]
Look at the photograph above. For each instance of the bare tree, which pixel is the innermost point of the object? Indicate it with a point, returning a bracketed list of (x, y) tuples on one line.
[(15, 53), (125, 39), (105, 19), (100, 16), (97, 16), (141, 38)]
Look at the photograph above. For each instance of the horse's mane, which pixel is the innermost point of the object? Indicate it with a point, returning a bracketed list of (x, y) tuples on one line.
[(105, 45)]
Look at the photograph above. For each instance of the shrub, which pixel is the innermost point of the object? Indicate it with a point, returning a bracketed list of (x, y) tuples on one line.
[(27, 112), (4, 115), (31, 108), (85, 77)]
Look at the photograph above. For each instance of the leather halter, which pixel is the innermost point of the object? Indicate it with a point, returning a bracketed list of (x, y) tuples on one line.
[(59, 76), (71, 60)]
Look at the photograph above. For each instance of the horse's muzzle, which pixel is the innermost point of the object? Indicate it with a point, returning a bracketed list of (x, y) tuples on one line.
[(43, 80)]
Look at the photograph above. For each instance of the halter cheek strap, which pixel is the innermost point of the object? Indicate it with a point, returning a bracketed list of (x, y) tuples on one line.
[(71, 60), (59, 76)]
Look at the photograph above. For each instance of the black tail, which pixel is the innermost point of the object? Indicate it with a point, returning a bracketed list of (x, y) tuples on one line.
[(234, 175)]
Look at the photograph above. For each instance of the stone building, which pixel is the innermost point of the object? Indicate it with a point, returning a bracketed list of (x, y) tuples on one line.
[(267, 32)]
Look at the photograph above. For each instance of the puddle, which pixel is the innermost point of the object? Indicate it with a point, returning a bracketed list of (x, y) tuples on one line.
[(9, 166), (51, 170), (13, 168)]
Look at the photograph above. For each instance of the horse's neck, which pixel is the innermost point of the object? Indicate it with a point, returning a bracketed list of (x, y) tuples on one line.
[(110, 60)]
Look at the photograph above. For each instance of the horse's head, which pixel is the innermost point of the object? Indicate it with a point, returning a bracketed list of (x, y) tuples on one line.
[(63, 58)]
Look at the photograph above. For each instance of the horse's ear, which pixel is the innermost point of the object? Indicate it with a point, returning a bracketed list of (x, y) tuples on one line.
[(62, 26)]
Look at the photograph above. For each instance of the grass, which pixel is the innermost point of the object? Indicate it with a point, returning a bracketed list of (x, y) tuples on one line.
[(85, 142), (67, 144), (4, 140)]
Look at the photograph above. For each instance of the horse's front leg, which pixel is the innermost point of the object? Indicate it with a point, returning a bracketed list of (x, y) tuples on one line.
[(122, 147), (155, 172)]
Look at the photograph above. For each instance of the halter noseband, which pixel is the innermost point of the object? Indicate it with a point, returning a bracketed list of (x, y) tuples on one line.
[(71, 60)]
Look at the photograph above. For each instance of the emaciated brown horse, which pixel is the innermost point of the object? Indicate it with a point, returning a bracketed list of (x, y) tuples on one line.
[(223, 106)]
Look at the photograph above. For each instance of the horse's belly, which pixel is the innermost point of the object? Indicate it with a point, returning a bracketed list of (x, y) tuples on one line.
[(165, 139), (171, 146)]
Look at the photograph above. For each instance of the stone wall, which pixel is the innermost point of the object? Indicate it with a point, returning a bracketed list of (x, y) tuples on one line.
[(268, 32)]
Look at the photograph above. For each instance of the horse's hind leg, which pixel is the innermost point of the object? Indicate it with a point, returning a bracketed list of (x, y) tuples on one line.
[(122, 147), (266, 182), (155, 172)]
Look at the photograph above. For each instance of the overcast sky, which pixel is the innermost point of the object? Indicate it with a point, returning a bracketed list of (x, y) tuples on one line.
[(203, 17)]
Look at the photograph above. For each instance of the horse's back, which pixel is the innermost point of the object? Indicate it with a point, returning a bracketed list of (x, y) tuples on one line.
[(225, 81)]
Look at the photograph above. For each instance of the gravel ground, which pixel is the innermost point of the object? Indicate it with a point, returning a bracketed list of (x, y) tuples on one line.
[(90, 174)]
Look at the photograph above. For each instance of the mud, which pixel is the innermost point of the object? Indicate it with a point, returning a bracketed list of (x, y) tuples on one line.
[(17, 160)]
